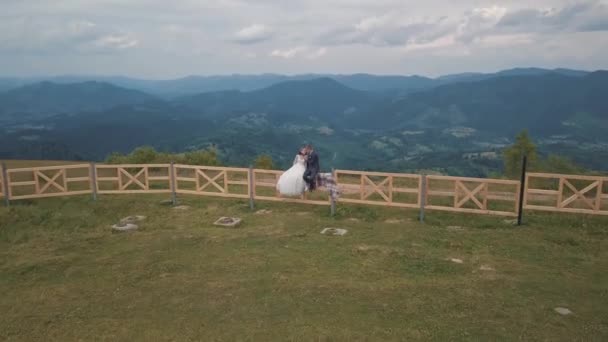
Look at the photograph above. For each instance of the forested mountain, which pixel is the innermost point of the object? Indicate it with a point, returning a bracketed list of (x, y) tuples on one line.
[(544, 103), (192, 85), (458, 123), (46, 99), (322, 100)]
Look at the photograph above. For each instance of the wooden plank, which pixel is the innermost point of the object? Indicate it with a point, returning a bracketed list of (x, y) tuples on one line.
[(48, 168), (456, 199), (484, 193), (119, 176), (471, 179), (230, 182), (36, 180), (253, 184), (226, 190), (155, 191), (212, 194), (185, 179), (441, 193), (566, 210), (52, 194), (133, 166), (408, 190), (133, 179), (380, 203), (560, 193), (159, 178), (264, 184), (210, 181), (108, 179), (26, 183), (212, 168), (146, 180), (292, 200), (51, 181), (570, 177), (375, 188), (579, 194), (362, 187), (78, 179), (598, 196), (492, 197), (379, 174), (470, 195), (543, 192), (472, 211), (390, 189)]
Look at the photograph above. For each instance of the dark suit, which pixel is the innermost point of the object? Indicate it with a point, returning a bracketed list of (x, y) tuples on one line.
[(312, 170)]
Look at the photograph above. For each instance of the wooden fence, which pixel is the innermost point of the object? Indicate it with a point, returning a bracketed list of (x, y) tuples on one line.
[(543, 191), (472, 195), (50, 181), (378, 188), (566, 193)]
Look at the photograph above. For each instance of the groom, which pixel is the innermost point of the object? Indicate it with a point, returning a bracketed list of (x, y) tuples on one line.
[(312, 167)]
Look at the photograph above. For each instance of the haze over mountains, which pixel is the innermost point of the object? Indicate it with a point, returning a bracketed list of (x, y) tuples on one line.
[(357, 121)]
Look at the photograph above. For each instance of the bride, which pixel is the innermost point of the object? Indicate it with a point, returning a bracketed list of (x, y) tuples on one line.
[(291, 182)]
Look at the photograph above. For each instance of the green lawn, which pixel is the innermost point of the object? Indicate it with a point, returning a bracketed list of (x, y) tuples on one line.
[(64, 276)]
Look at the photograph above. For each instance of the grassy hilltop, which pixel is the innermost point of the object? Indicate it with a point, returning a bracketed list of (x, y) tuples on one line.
[(65, 276)]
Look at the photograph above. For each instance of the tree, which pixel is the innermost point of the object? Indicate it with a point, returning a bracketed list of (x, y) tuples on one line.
[(513, 155), (143, 155), (264, 162), (206, 157), (559, 164)]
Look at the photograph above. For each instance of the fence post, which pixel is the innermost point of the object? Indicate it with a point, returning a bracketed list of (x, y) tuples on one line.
[(522, 189), (332, 199), (172, 183), (93, 171), (5, 189), (251, 186), (422, 197)]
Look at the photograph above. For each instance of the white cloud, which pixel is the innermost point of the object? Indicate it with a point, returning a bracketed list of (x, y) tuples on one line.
[(287, 53), (116, 42), (318, 53), (304, 51), (24, 36), (253, 34)]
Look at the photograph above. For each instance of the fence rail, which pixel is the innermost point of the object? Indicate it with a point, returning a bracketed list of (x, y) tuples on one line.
[(50, 181), (472, 195), (566, 193), (543, 191)]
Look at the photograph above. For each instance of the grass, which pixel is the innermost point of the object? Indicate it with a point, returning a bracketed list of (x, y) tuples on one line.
[(64, 276)]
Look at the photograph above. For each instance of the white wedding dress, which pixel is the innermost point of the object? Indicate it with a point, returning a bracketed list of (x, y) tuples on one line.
[(291, 182)]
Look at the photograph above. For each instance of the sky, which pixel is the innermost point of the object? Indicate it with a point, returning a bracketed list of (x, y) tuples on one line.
[(160, 39)]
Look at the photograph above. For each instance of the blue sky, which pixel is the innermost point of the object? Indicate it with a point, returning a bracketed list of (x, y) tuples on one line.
[(168, 39)]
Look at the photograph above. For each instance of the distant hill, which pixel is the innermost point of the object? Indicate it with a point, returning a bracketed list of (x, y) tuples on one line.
[(322, 98), (545, 103), (472, 76), (191, 85), (45, 99)]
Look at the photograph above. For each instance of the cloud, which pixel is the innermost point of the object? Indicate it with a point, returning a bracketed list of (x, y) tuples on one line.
[(115, 42), (318, 53), (287, 53), (253, 34), (580, 17), (391, 29), (303, 51), (21, 35)]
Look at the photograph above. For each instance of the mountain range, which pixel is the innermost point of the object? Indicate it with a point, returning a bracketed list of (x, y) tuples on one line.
[(359, 121)]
